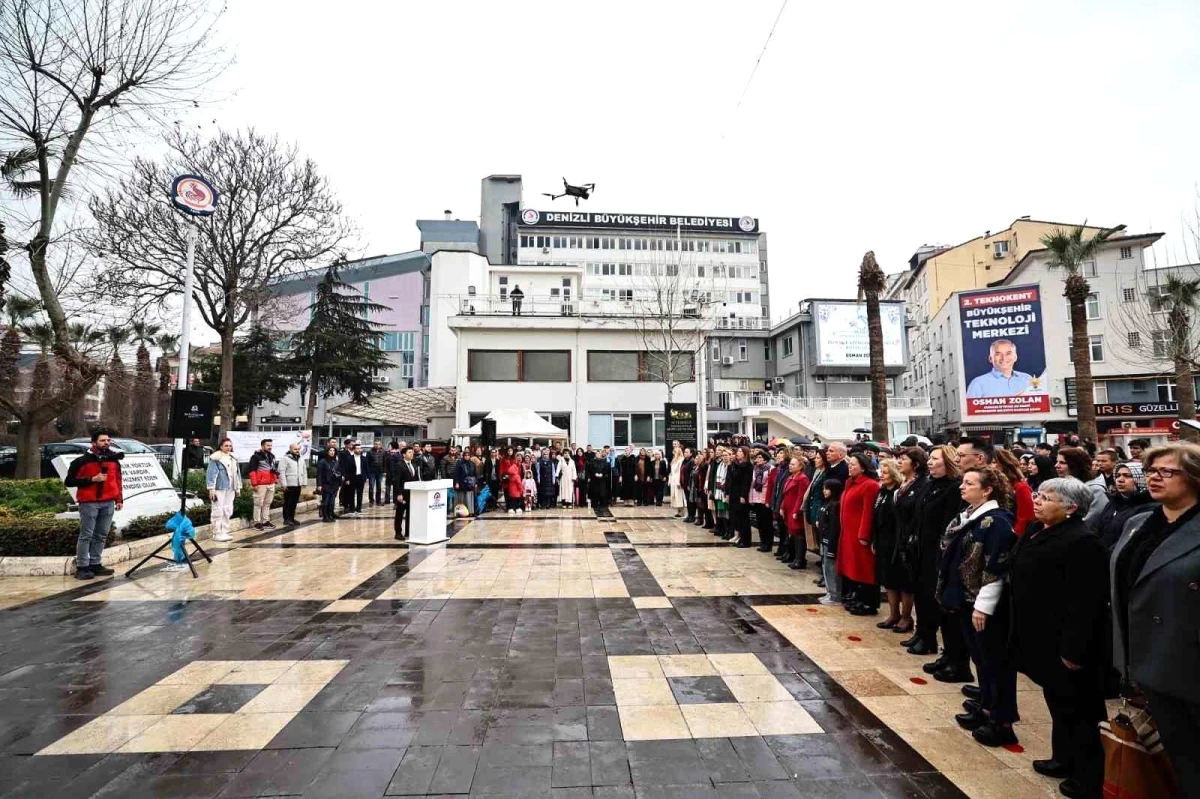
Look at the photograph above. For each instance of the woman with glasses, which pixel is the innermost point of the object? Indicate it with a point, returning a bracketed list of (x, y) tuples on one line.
[(1155, 575), (1059, 595)]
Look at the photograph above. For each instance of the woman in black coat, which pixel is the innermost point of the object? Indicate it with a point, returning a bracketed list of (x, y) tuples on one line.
[(1058, 592), (937, 507), (737, 487), (1128, 498), (913, 469)]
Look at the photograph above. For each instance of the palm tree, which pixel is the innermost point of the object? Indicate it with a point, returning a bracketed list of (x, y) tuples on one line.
[(1179, 297), (1069, 251), (166, 343), (871, 283), (87, 340), (41, 383), (115, 410)]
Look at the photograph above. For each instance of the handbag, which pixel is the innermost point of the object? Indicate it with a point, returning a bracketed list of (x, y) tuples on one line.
[(1135, 765)]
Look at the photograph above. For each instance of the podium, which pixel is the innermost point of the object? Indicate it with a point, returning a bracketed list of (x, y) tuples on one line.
[(428, 504)]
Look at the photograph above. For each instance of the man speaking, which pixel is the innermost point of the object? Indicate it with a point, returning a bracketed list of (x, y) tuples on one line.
[(1002, 380)]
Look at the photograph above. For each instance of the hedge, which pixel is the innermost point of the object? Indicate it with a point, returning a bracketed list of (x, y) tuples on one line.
[(24, 498), (150, 526), (36, 537)]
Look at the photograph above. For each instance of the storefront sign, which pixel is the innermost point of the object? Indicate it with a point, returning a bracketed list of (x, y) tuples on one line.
[(1137, 409), (681, 419), (587, 219), (1003, 353)]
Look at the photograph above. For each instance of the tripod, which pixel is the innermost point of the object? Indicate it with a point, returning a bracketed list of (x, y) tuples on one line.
[(196, 544)]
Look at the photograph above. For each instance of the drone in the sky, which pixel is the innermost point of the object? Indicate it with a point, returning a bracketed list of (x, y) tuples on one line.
[(581, 192)]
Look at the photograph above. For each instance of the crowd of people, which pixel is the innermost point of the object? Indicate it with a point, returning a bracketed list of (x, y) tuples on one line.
[(1076, 568)]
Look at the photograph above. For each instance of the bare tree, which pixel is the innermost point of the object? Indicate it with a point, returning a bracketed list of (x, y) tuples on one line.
[(871, 283), (277, 214), (69, 70)]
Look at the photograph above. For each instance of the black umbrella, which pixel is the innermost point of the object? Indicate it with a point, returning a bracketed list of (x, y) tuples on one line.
[(860, 430), (802, 441)]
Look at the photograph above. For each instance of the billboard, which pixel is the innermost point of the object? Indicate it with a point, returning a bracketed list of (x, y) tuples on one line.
[(681, 419), (842, 338), (1003, 353)]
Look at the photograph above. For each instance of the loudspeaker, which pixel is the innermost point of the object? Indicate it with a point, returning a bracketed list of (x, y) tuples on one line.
[(487, 431), (192, 414)]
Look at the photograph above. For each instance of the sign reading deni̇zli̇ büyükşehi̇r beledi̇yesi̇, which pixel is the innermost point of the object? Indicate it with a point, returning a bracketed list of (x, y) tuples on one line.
[(1003, 352)]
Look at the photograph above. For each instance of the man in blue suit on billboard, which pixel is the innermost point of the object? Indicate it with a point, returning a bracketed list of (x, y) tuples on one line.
[(1002, 380)]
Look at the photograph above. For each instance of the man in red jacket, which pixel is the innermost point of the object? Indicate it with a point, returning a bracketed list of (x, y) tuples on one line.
[(96, 476)]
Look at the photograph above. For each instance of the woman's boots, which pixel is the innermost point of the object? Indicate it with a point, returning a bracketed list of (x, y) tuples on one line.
[(789, 553)]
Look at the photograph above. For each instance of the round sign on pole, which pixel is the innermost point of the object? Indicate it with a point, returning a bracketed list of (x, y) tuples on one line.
[(194, 195)]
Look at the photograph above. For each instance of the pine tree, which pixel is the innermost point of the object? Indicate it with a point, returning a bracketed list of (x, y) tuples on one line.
[(262, 371), (18, 309), (339, 353), (143, 381)]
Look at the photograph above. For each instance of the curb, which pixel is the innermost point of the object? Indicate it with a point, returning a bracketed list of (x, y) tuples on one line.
[(64, 565)]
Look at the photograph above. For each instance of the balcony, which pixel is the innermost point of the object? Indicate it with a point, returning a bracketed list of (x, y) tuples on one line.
[(826, 417), (543, 306), (764, 399)]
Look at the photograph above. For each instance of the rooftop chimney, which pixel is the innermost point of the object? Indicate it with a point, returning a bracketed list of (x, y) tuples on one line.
[(447, 213)]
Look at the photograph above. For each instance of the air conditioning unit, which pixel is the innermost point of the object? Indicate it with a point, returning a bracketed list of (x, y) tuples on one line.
[(1129, 425), (779, 381), (384, 379), (998, 255), (545, 249), (1056, 400), (727, 360)]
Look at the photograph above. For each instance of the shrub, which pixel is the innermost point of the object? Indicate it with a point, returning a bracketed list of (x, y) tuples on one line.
[(23, 498), (150, 526), (39, 537)]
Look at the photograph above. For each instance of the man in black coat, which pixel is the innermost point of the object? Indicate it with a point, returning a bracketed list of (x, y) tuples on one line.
[(835, 454), (349, 469), (405, 472), (599, 478), (628, 464)]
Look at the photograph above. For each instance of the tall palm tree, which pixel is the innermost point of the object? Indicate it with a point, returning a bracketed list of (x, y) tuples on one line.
[(871, 283), (1180, 298), (1069, 251)]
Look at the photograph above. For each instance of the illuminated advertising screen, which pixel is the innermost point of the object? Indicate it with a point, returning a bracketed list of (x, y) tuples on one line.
[(842, 338)]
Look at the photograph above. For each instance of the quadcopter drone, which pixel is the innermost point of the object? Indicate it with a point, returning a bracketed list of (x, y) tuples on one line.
[(581, 192)]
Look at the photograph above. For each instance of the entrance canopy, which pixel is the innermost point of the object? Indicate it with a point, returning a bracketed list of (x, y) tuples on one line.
[(516, 423)]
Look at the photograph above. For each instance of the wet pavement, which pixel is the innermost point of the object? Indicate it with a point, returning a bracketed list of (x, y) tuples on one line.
[(553, 655)]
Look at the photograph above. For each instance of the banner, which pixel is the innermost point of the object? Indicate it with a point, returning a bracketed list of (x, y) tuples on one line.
[(246, 442), (1001, 330), (843, 338)]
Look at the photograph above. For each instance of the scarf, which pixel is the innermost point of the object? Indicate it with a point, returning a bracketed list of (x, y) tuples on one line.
[(760, 476)]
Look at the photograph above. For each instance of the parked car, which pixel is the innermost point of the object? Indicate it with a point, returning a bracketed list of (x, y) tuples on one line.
[(129, 446), (169, 451), (8, 457)]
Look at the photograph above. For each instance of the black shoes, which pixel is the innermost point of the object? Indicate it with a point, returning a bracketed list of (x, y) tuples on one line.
[(797, 565), (84, 574), (100, 571), (887, 624), (743, 545), (972, 692), (1073, 790), (972, 706), (765, 548), (930, 668), (1051, 768), (907, 642), (993, 735), (951, 674), (971, 720), (922, 648), (864, 610)]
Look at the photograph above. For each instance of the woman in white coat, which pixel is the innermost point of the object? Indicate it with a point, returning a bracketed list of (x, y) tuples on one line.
[(675, 481), (567, 473)]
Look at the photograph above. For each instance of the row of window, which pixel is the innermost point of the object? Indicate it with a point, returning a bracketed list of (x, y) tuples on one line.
[(637, 244), (732, 271), (554, 366)]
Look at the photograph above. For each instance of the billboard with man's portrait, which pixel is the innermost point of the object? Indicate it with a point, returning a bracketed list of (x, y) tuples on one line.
[(1003, 353)]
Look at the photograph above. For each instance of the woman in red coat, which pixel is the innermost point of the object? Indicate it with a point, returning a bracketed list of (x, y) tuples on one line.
[(792, 506), (856, 560), (514, 491)]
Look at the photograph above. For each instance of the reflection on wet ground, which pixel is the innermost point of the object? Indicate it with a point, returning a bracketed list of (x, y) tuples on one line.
[(560, 654)]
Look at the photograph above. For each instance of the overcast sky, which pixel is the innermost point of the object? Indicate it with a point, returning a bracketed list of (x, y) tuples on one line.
[(867, 126)]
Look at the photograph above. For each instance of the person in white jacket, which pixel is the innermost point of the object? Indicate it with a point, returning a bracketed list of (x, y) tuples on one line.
[(675, 481), (567, 473), (293, 473), (223, 481)]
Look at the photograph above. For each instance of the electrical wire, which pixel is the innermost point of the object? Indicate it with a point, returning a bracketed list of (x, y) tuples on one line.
[(746, 88)]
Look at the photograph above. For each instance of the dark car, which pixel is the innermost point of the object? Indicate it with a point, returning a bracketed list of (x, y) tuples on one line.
[(8, 457), (130, 446)]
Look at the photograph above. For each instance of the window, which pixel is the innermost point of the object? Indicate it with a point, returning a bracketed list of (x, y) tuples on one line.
[(1161, 341), (715, 348), (1135, 339), (1166, 389), (1091, 307), (787, 346), (1100, 392), (767, 349), (1129, 295), (683, 367), (396, 341), (1095, 349), (1126, 253), (1000, 248), (642, 427), (1157, 297), (742, 355), (612, 366), (1140, 387), (625, 295), (1088, 268), (527, 366)]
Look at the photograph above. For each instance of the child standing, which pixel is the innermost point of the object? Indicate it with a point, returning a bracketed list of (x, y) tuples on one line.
[(829, 530), (531, 490)]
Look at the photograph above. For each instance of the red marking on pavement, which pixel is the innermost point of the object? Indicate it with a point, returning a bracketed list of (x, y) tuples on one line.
[(1014, 748), (918, 681), (853, 637), (812, 610)]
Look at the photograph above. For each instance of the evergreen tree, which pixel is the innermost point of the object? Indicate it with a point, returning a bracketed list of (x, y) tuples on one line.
[(18, 309), (85, 339), (41, 384), (166, 343), (143, 381), (262, 372), (115, 411), (339, 353)]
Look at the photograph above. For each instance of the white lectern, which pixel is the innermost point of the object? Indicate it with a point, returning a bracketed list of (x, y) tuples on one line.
[(428, 500)]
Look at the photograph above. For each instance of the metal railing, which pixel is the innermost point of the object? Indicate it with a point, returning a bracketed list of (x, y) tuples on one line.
[(541, 305), (764, 399)]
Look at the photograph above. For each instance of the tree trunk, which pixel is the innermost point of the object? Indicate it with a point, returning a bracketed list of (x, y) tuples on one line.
[(29, 459), (879, 409), (312, 403), (228, 417), (1085, 402), (1185, 393)]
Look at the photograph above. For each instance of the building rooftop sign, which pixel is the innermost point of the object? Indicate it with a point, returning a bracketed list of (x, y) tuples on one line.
[(588, 219)]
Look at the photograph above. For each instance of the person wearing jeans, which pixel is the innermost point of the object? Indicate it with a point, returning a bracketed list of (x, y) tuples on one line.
[(377, 462), (224, 482), (96, 478), (294, 474)]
